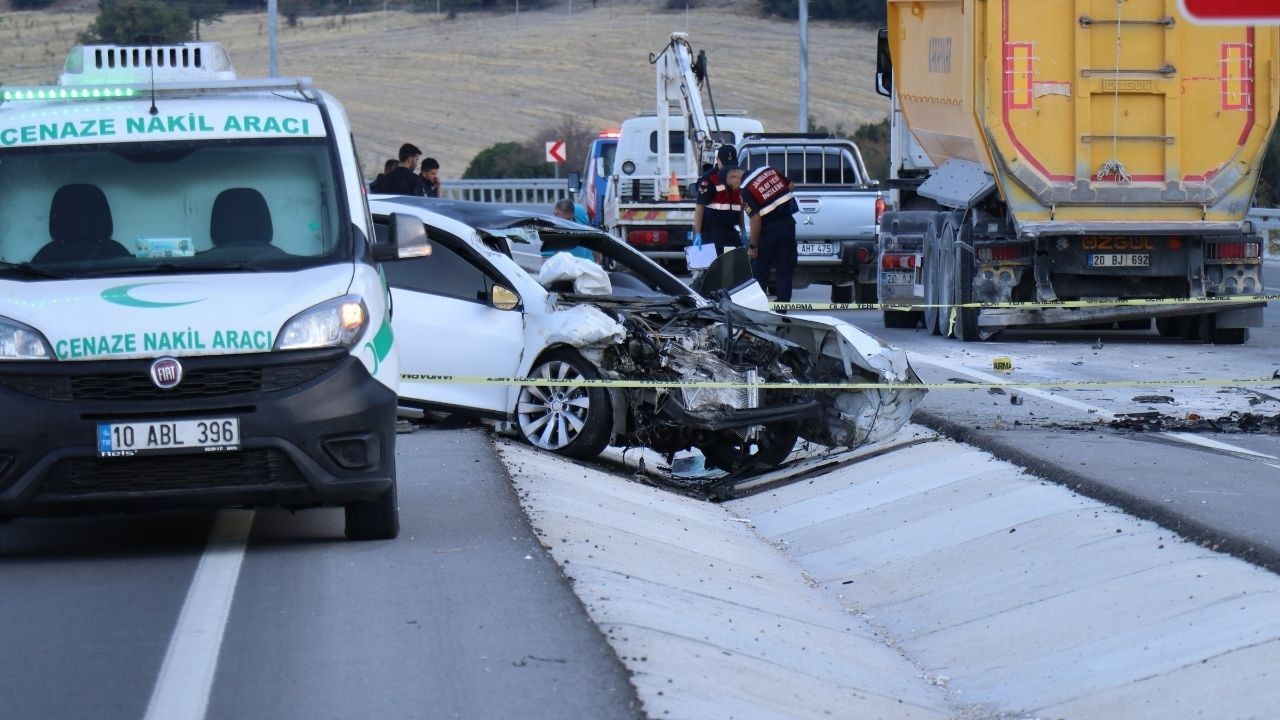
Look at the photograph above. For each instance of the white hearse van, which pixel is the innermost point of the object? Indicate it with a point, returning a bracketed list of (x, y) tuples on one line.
[(191, 313)]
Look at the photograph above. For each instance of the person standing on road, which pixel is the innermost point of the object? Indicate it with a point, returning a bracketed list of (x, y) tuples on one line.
[(771, 243), (430, 174), (719, 207), (403, 180)]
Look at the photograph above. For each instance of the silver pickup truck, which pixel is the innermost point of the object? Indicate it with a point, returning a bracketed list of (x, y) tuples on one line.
[(839, 208)]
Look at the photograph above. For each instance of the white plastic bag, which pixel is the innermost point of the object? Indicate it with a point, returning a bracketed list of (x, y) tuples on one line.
[(587, 277)]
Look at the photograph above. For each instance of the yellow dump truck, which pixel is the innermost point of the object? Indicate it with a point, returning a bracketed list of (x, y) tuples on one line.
[(1054, 150)]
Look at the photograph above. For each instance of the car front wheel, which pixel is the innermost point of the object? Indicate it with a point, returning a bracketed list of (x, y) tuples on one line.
[(573, 420)]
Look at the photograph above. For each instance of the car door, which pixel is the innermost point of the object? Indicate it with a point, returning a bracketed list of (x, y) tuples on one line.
[(445, 324)]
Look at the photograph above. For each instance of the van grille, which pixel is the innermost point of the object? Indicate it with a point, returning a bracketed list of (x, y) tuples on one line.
[(244, 468), (196, 383)]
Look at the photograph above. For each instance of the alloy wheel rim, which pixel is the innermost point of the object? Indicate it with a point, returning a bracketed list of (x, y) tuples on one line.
[(552, 417)]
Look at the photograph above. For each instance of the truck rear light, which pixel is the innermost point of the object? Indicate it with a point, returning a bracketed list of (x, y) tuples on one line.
[(862, 255), (898, 262), (1173, 243), (880, 206), (1233, 250), (647, 237), (999, 253)]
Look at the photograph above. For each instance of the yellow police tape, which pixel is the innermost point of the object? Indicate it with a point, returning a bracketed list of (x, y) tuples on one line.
[(1098, 302), (711, 385)]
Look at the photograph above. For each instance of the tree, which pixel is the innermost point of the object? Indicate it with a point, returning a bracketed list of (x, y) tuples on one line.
[(872, 140), (205, 11), (528, 159), (129, 21)]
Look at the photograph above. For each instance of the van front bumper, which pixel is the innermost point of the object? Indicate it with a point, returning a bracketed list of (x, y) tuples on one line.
[(315, 429)]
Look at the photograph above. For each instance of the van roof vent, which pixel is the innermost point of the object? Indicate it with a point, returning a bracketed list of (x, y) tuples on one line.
[(182, 62)]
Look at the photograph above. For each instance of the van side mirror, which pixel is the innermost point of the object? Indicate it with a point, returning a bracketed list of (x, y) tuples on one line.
[(884, 65), (406, 238), (575, 182)]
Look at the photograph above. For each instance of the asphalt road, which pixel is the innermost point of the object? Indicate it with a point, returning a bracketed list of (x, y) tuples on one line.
[(1213, 487), (464, 616)]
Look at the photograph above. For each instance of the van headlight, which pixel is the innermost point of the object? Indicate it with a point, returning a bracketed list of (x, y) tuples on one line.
[(22, 342), (336, 323)]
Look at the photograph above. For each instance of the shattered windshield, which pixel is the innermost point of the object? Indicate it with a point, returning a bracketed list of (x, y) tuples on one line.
[(75, 211)]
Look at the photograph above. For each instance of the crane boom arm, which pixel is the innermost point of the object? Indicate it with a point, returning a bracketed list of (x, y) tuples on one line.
[(676, 82)]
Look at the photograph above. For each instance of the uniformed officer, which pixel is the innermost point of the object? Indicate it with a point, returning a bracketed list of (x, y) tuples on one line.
[(771, 244), (719, 208)]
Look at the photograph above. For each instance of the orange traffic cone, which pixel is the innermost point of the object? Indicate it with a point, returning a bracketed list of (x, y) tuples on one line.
[(673, 190)]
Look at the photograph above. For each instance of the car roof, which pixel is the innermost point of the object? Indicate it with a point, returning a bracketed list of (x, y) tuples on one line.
[(484, 215)]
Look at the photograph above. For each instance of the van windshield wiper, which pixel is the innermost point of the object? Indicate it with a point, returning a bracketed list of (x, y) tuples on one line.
[(26, 268), (175, 268)]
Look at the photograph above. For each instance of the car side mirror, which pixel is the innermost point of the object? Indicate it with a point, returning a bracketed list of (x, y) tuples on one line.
[(503, 298), (884, 65), (575, 182), (406, 238), (728, 272)]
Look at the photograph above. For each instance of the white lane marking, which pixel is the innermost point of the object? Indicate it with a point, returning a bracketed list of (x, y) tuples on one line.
[(1188, 438), (986, 377), (1217, 445), (186, 676)]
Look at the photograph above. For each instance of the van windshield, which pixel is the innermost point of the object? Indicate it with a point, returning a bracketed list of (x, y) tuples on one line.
[(77, 211)]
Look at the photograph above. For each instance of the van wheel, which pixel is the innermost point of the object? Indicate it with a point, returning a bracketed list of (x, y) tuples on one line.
[(377, 519), (575, 420)]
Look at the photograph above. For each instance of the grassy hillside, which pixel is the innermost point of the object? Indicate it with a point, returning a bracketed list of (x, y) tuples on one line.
[(453, 87)]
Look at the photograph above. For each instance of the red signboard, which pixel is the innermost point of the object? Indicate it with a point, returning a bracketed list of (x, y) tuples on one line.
[(1236, 12)]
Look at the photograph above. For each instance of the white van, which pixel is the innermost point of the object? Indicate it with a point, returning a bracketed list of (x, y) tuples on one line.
[(191, 313)]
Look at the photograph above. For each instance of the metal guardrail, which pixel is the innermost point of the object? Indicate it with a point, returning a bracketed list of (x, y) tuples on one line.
[(1265, 217), (533, 191)]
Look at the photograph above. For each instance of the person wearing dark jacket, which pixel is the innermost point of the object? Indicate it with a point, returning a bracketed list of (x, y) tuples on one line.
[(430, 174), (403, 180), (718, 211), (771, 245), (379, 183)]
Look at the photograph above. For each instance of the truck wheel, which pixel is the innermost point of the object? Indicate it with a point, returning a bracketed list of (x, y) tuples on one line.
[(842, 293), (900, 319), (573, 421), (866, 293), (1230, 336), (1174, 327), (958, 236), (377, 519), (932, 276)]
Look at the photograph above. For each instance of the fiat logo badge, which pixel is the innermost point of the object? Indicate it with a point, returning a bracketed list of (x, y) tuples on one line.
[(166, 373)]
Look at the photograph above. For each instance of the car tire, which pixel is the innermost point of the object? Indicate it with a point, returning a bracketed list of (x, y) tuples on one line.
[(377, 519), (842, 294), (572, 421)]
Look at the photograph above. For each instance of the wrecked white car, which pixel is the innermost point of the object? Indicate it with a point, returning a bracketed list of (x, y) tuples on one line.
[(512, 293)]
